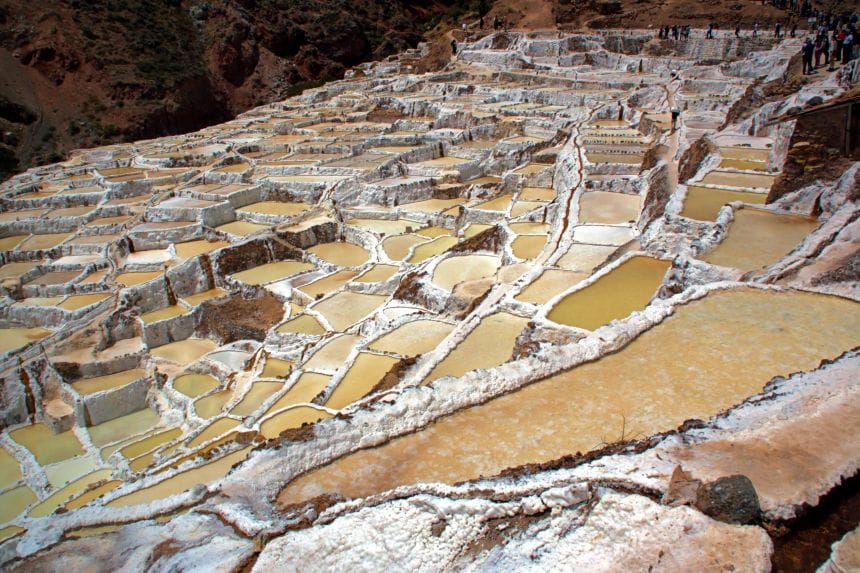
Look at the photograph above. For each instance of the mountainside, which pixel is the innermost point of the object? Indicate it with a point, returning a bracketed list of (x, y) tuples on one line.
[(76, 73)]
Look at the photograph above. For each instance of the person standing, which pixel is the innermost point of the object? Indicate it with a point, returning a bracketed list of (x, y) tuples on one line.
[(807, 51), (755, 29), (835, 51), (453, 47), (819, 45), (847, 47), (793, 29), (738, 30), (710, 34), (777, 33)]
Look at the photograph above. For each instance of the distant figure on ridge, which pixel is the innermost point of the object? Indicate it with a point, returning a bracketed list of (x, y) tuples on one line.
[(454, 47), (777, 31), (738, 30), (676, 113), (710, 33), (755, 29)]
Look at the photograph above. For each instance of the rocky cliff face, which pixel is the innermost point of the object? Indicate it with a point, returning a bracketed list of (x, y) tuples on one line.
[(78, 73)]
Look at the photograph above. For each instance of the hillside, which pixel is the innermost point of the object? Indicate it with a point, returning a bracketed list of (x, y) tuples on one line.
[(78, 74)]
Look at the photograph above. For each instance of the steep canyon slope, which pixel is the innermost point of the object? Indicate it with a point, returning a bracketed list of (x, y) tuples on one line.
[(76, 73)]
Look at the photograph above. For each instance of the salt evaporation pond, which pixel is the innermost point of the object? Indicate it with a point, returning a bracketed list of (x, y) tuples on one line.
[(757, 239), (490, 344), (608, 208), (708, 356), (454, 270), (341, 254), (704, 203)]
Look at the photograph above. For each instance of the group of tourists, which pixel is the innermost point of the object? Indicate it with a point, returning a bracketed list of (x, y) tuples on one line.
[(675, 32), (833, 45)]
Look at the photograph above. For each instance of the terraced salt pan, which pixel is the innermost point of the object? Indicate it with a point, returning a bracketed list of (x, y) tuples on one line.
[(184, 351), (193, 385), (241, 228), (271, 272), (276, 368), (258, 393), (432, 248), (183, 481), (433, 232), (602, 207), (341, 254), (333, 354), (305, 389), (413, 338), (302, 324), (217, 428), (148, 257), (434, 205), (327, 285), (9, 243), (149, 443), (474, 229), (725, 348), (15, 338), (290, 418), (549, 284), (232, 359), (537, 194), (529, 228), (384, 226), (744, 180), (704, 203), (16, 270), (499, 204), (123, 427), (625, 289), (277, 208), (523, 207), (584, 258), (377, 273), (528, 246), (344, 309), (88, 386), (54, 278), (61, 473), (213, 404), (93, 494), (10, 470), (44, 242), (201, 297), (757, 239), (363, 375), (603, 234), (45, 445), (51, 503), (617, 158), (398, 246), (193, 248), (164, 313), (490, 344), (14, 501), (455, 270), (134, 279), (79, 301)]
